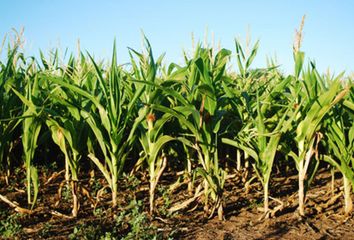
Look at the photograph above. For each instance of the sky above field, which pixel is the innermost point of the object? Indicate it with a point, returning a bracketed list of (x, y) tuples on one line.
[(328, 31)]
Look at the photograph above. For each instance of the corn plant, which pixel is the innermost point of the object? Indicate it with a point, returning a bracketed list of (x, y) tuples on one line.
[(242, 91), (340, 138), (65, 136), (315, 99), (31, 124), (200, 112), (10, 109), (68, 128), (30, 90), (272, 117), (150, 129), (109, 119)]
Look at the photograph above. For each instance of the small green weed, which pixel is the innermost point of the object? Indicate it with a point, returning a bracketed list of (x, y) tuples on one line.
[(139, 226), (163, 191), (45, 231), (87, 232), (9, 226)]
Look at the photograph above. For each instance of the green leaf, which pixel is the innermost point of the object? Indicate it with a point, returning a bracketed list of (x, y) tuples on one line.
[(299, 61), (236, 144), (252, 55), (157, 146)]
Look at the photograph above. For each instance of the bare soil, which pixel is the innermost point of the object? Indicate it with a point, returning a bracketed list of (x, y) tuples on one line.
[(51, 218)]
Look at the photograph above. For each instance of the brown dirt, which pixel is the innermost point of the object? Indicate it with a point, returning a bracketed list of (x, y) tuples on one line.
[(243, 216)]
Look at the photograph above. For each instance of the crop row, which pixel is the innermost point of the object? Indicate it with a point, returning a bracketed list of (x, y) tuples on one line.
[(142, 115)]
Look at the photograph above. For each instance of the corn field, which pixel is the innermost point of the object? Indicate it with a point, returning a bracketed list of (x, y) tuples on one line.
[(190, 126)]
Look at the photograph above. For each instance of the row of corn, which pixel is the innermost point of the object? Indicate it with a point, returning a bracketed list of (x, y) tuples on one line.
[(143, 115)]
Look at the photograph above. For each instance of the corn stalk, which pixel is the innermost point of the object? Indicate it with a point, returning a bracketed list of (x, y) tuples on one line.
[(109, 119), (317, 102), (340, 138), (149, 126), (201, 113), (31, 125), (10, 110), (260, 138)]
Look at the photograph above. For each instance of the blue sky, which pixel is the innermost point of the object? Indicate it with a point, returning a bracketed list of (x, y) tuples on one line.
[(328, 32)]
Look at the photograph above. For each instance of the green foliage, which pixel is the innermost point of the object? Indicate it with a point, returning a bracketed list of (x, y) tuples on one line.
[(138, 223), (9, 225), (123, 119), (167, 201), (45, 232), (131, 223), (340, 140), (86, 231)]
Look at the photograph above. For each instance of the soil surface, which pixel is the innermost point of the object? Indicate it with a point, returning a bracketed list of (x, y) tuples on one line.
[(244, 219)]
